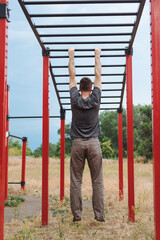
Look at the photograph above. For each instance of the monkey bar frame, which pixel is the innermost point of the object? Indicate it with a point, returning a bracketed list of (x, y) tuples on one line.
[(121, 52)]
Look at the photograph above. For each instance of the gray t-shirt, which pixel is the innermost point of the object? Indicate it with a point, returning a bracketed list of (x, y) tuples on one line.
[(85, 121)]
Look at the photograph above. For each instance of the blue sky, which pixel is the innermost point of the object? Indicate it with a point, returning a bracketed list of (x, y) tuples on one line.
[(25, 73)]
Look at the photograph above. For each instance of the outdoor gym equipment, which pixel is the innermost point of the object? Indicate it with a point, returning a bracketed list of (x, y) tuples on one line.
[(111, 48)]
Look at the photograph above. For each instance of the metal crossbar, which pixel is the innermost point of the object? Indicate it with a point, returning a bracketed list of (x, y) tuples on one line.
[(85, 25), (116, 35), (78, 2)]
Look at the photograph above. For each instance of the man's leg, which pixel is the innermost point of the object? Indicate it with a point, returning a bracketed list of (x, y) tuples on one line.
[(76, 171), (94, 157), (71, 68)]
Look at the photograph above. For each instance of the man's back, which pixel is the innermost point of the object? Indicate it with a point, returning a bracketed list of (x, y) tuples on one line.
[(85, 121)]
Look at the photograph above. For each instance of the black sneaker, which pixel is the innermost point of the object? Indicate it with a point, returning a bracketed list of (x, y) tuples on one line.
[(76, 219), (99, 219)]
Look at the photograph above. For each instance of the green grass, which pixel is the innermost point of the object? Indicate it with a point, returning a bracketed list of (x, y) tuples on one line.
[(13, 201), (56, 211)]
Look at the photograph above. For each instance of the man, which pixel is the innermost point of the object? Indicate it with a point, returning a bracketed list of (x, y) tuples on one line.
[(85, 130)]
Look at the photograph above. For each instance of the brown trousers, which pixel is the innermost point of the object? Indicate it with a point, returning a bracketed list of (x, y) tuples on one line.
[(86, 148)]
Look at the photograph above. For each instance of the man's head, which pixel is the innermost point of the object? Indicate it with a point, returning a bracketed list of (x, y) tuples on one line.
[(85, 85)]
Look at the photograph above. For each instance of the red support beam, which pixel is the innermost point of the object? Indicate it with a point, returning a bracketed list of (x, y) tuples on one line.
[(62, 155), (155, 25), (7, 146), (24, 148), (120, 153), (130, 153), (3, 111), (45, 140)]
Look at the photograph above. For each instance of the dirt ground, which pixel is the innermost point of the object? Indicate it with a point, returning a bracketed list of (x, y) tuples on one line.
[(24, 222), (30, 207)]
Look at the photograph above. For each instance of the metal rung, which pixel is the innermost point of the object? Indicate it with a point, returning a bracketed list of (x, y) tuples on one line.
[(103, 90), (68, 109), (87, 50), (88, 56), (101, 103), (79, 2), (92, 75), (86, 35), (62, 83), (101, 97), (90, 66), (81, 43), (85, 25), (83, 15)]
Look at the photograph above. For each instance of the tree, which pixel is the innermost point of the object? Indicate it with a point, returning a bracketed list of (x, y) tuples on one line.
[(38, 151), (17, 147), (14, 144), (107, 151), (109, 127), (142, 130), (144, 141)]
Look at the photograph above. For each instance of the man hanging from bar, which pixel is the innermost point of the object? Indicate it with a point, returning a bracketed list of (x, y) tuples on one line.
[(85, 129)]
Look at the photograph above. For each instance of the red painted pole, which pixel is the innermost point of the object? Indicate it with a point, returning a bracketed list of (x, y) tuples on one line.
[(7, 146), (45, 140), (3, 110), (131, 204), (155, 24), (120, 153), (62, 155), (24, 148)]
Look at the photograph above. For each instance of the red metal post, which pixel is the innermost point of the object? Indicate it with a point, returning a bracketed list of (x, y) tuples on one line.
[(130, 153), (45, 139), (62, 155), (7, 146), (3, 110), (24, 148), (120, 153), (155, 24)]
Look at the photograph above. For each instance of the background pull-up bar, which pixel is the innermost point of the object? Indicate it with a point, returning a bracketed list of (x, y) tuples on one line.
[(23, 171), (15, 137), (19, 117)]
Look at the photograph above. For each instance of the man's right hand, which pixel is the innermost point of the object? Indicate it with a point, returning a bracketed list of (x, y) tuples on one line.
[(71, 52)]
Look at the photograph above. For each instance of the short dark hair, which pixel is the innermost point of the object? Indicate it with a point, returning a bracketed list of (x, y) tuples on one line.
[(85, 84)]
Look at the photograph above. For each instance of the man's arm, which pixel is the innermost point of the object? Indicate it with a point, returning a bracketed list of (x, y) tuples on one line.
[(97, 81), (71, 69)]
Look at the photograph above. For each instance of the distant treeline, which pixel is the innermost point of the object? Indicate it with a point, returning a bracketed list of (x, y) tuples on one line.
[(142, 128)]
